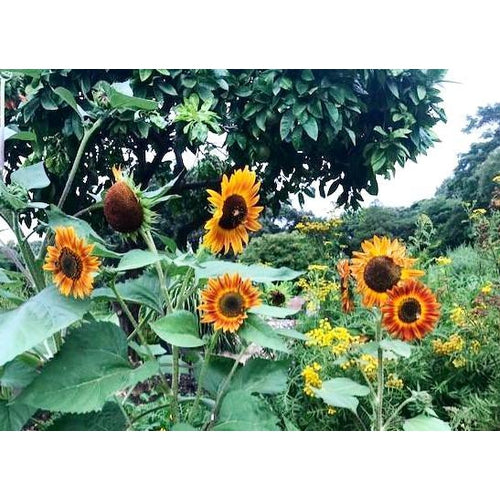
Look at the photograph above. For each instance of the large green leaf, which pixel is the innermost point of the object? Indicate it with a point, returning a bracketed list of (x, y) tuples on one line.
[(258, 273), (217, 370), (397, 347), (425, 423), (182, 426), (179, 328), (341, 392), (13, 416), (263, 376), (135, 259), (82, 228), (256, 330), (36, 320), (273, 312), (17, 374), (110, 418), (241, 411), (31, 177), (120, 97), (91, 366), (143, 290)]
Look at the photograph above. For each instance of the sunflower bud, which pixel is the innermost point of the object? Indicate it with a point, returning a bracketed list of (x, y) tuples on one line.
[(122, 208)]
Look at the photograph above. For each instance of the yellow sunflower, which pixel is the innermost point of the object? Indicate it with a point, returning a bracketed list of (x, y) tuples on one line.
[(345, 291), (382, 265), (225, 301), (411, 311), (234, 212), (71, 263)]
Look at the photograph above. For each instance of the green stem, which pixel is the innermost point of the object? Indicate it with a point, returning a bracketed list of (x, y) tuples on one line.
[(76, 163), (175, 383), (125, 414), (222, 390), (396, 412), (201, 378), (380, 379)]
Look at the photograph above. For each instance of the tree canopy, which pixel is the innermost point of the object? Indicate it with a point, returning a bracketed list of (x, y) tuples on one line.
[(340, 128)]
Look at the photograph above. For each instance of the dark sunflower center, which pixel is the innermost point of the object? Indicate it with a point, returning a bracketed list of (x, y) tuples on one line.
[(277, 298), (381, 274), (70, 264), (409, 311), (234, 212), (231, 304)]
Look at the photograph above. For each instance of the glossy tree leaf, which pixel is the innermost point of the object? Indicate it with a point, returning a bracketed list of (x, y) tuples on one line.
[(425, 423), (110, 418), (179, 328), (241, 411), (91, 366), (37, 319), (256, 330), (67, 97), (31, 177), (311, 128), (286, 124), (258, 273), (119, 100), (341, 392)]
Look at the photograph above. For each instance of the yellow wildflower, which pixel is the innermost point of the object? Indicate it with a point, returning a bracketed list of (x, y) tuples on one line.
[(331, 410), (475, 346), (348, 364), (337, 338), (393, 382), (443, 261), (368, 365), (477, 213), (317, 267), (312, 380), (455, 343), (459, 362), (496, 179), (487, 289), (457, 315)]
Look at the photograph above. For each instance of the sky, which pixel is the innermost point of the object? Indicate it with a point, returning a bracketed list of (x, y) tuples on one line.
[(473, 88)]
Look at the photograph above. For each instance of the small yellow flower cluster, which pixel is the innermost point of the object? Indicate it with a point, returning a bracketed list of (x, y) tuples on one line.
[(477, 213), (487, 289), (331, 410), (475, 346), (457, 315), (317, 267), (393, 382), (319, 289), (454, 344), (496, 179), (443, 261), (348, 364), (312, 380), (337, 338), (308, 227), (368, 365), (459, 362)]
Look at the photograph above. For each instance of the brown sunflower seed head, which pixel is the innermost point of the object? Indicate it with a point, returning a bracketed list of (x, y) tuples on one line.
[(122, 208)]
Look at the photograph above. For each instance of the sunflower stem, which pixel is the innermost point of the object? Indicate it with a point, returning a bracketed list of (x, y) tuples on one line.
[(380, 377), (396, 412), (199, 389), (148, 239)]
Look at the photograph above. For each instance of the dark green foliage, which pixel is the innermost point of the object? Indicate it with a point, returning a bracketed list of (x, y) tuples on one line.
[(292, 250)]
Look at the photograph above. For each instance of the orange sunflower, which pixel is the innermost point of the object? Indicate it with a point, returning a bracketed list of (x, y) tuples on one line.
[(225, 301), (235, 212), (382, 265), (345, 291), (411, 311), (71, 263)]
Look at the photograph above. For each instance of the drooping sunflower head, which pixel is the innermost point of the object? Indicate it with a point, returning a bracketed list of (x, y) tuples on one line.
[(235, 212), (71, 262), (411, 311), (125, 208), (345, 291), (381, 266), (225, 301)]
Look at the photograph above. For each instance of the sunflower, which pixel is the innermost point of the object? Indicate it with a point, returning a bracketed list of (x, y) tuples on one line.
[(411, 311), (234, 212), (345, 291), (71, 262), (382, 265), (126, 209), (225, 301)]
